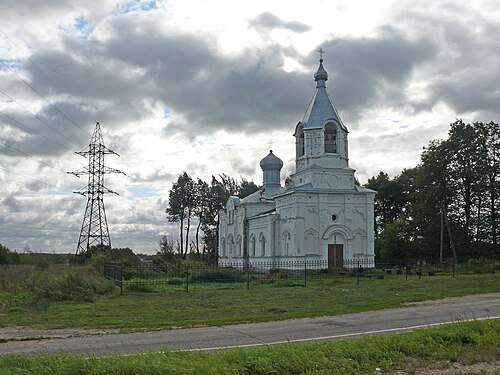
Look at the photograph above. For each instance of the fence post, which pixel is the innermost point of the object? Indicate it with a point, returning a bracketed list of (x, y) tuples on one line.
[(420, 270), (358, 271), (305, 273), (406, 272), (248, 275), (121, 280), (453, 267), (187, 277)]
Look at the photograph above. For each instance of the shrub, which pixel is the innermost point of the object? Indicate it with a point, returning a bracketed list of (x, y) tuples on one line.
[(73, 284)]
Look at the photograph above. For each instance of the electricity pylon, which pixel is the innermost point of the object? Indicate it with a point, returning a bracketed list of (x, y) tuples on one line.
[(94, 230)]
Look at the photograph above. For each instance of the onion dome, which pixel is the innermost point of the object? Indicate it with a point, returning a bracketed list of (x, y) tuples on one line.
[(271, 162), (271, 166), (321, 74)]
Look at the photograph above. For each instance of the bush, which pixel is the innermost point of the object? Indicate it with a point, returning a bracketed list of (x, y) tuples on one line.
[(7, 256), (73, 284)]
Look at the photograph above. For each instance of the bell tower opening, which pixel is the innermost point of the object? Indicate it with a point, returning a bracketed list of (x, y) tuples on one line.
[(330, 138)]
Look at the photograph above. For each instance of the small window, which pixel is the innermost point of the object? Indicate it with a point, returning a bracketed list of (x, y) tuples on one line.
[(300, 141), (330, 139)]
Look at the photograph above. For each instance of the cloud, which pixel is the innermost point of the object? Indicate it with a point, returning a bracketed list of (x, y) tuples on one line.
[(171, 96), (269, 21)]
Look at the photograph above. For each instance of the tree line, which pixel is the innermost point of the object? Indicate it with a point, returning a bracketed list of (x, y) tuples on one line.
[(197, 201), (446, 206)]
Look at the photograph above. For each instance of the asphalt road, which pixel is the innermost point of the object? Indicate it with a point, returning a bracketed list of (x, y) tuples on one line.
[(416, 316)]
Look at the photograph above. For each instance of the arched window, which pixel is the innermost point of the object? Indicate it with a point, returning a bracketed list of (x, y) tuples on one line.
[(223, 248), (330, 139), (262, 240), (285, 241), (252, 245), (230, 245), (238, 249), (300, 141)]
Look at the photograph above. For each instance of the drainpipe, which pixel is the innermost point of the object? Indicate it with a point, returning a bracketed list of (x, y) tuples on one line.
[(246, 255), (272, 251)]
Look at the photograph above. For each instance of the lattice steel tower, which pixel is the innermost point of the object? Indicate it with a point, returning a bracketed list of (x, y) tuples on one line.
[(94, 230)]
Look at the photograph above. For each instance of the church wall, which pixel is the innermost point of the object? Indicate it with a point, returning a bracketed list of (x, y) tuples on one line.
[(262, 230), (308, 218)]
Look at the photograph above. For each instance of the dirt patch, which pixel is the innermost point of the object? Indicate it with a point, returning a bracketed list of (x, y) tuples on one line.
[(16, 333), (449, 300), (455, 369)]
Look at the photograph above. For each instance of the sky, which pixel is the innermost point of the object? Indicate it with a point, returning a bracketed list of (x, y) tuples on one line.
[(208, 87)]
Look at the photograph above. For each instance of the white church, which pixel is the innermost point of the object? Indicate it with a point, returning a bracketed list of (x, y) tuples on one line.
[(319, 214)]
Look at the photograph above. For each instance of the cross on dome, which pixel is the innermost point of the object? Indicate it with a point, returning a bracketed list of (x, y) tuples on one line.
[(321, 52)]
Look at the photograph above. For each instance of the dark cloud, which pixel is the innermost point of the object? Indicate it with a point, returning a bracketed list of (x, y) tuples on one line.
[(211, 91), (127, 69), (370, 72), (465, 76)]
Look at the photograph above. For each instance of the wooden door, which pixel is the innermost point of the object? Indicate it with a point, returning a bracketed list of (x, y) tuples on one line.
[(335, 257)]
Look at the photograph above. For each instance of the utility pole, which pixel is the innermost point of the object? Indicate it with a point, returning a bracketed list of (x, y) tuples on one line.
[(441, 244), (94, 230), (455, 259)]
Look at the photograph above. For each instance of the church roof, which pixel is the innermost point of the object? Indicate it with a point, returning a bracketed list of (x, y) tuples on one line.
[(309, 188), (321, 107), (270, 192)]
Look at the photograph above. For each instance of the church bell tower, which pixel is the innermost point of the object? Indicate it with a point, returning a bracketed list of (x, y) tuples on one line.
[(321, 148)]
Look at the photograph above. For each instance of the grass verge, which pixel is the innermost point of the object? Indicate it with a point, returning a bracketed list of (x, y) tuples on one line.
[(464, 343), (163, 310)]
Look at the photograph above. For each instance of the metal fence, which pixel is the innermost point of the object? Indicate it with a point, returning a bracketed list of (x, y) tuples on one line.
[(185, 276)]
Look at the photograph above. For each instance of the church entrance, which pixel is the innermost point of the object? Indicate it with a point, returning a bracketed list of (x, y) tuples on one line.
[(335, 257)]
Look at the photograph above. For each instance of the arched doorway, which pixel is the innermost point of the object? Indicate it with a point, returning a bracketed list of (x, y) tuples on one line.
[(336, 254), (338, 239)]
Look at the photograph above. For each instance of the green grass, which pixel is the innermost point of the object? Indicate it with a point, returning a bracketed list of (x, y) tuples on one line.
[(464, 343), (163, 310)]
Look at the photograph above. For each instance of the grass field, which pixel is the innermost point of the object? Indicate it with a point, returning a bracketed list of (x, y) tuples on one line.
[(163, 310), (439, 348)]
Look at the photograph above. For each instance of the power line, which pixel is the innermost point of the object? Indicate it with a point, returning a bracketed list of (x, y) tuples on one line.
[(43, 97), (34, 131), (39, 119), (32, 61), (29, 178), (31, 157)]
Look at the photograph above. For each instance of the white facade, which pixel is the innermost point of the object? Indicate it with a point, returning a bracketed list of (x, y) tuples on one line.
[(320, 214)]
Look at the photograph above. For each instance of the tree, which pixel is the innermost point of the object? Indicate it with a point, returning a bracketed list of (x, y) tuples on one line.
[(7, 256), (181, 201), (489, 141), (218, 194), (169, 249), (202, 197), (246, 188), (392, 199)]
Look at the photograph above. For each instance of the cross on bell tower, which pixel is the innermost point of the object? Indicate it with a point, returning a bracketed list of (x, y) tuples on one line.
[(321, 52)]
